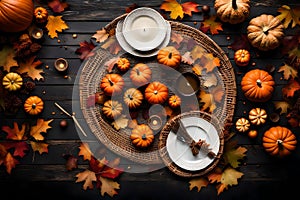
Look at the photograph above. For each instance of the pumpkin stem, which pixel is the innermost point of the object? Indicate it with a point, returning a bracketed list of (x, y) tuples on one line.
[(138, 72), (170, 55), (33, 106), (110, 82), (144, 137), (265, 30), (258, 82), (234, 5), (130, 97)]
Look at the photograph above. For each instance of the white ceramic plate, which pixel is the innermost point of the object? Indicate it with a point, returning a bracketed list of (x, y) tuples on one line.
[(131, 50), (144, 29), (180, 152)]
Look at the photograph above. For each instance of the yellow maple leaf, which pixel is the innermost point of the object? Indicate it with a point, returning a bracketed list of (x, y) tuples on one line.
[(7, 60), (84, 150), (29, 67), (212, 25), (229, 177), (288, 72), (121, 122), (233, 154), (210, 62), (207, 100), (100, 35), (197, 52), (109, 186), (41, 127), (174, 7), (283, 106), (198, 183), (88, 177), (54, 25), (289, 16), (39, 147)]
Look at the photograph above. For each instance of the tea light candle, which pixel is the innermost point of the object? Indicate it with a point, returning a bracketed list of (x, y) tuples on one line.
[(155, 122), (37, 33), (61, 64), (188, 84)]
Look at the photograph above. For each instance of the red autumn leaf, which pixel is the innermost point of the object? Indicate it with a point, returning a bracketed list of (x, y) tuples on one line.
[(85, 50), (289, 89), (10, 162), (131, 8), (212, 25), (288, 43), (240, 42), (71, 162), (189, 7), (111, 170), (15, 133), (111, 63), (97, 165), (20, 148), (112, 45), (57, 6)]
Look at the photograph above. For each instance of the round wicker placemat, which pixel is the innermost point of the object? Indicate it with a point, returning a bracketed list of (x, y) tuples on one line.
[(118, 141), (163, 140)]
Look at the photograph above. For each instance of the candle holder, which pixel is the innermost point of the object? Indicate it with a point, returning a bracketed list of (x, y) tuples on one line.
[(37, 33), (61, 64), (188, 84), (155, 122)]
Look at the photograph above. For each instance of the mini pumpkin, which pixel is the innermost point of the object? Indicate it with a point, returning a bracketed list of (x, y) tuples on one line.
[(258, 116), (257, 85), (33, 105), (279, 141), (265, 32), (112, 84), (40, 14), (123, 64), (169, 56), (174, 101), (156, 93), (242, 124), (12, 81), (232, 11), (142, 136), (242, 57), (140, 74), (112, 109), (133, 98)]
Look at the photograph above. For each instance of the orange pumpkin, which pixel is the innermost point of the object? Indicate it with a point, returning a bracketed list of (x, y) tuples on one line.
[(257, 85), (33, 105), (142, 136), (112, 109), (15, 15), (133, 98), (40, 14), (174, 101), (242, 57), (112, 84), (123, 64), (140, 74), (156, 93), (169, 56), (279, 141)]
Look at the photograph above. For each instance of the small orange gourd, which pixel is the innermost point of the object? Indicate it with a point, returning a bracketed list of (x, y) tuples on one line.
[(258, 116), (112, 109), (123, 64), (242, 125), (33, 105), (112, 84), (40, 14), (242, 57), (133, 98), (142, 136), (174, 101), (156, 93), (257, 85), (12, 81), (279, 141), (140, 74), (169, 56)]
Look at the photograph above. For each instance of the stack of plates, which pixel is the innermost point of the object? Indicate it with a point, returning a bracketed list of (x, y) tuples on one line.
[(143, 32)]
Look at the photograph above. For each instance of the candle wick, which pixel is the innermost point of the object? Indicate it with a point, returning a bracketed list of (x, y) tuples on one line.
[(144, 30)]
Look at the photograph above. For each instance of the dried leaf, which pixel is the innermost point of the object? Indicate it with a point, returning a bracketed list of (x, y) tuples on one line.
[(197, 69), (187, 58), (57, 6), (229, 177), (210, 80), (218, 93), (108, 186), (131, 8), (111, 63), (15, 133), (132, 123), (215, 176), (84, 150), (210, 62), (174, 7), (71, 162), (112, 45), (207, 100), (29, 67), (283, 106), (20, 148), (10, 162), (198, 183), (189, 7), (176, 37), (294, 53), (121, 122), (111, 170), (39, 147), (7, 55), (288, 72), (289, 16), (197, 52), (88, 177), (212, 25), (85, 50), (233, 154), (54, 25), (100, 35), (240, 42), (290, 89), (41, 127)]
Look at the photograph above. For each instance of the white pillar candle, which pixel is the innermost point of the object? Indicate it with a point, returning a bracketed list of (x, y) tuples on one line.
[(144, 29)]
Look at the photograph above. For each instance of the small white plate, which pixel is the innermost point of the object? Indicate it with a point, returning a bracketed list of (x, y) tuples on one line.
[(144, 29), (180, 152), (131, 50)]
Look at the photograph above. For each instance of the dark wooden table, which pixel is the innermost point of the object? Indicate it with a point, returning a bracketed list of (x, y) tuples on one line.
[(45, 177)]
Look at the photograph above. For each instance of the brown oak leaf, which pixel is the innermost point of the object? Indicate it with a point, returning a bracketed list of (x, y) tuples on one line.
[(87, 177), (29, 67), (41, 126), (54, 25), (108, 186), (100, 35)]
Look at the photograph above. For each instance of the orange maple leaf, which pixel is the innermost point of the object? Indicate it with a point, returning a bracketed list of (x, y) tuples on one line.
[(197, 69), (15, 133), (108, 186), (101, 35), (198, 183), (7, 60), (29, 67), (85, 151), (210, 62), (212, 25), (10, 162), (288, 71), (290, 89), (88, 177), (54, 25), (229, 177), (174, 7), (41, 127), (189, 7), (39, 147), (207, 100)]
